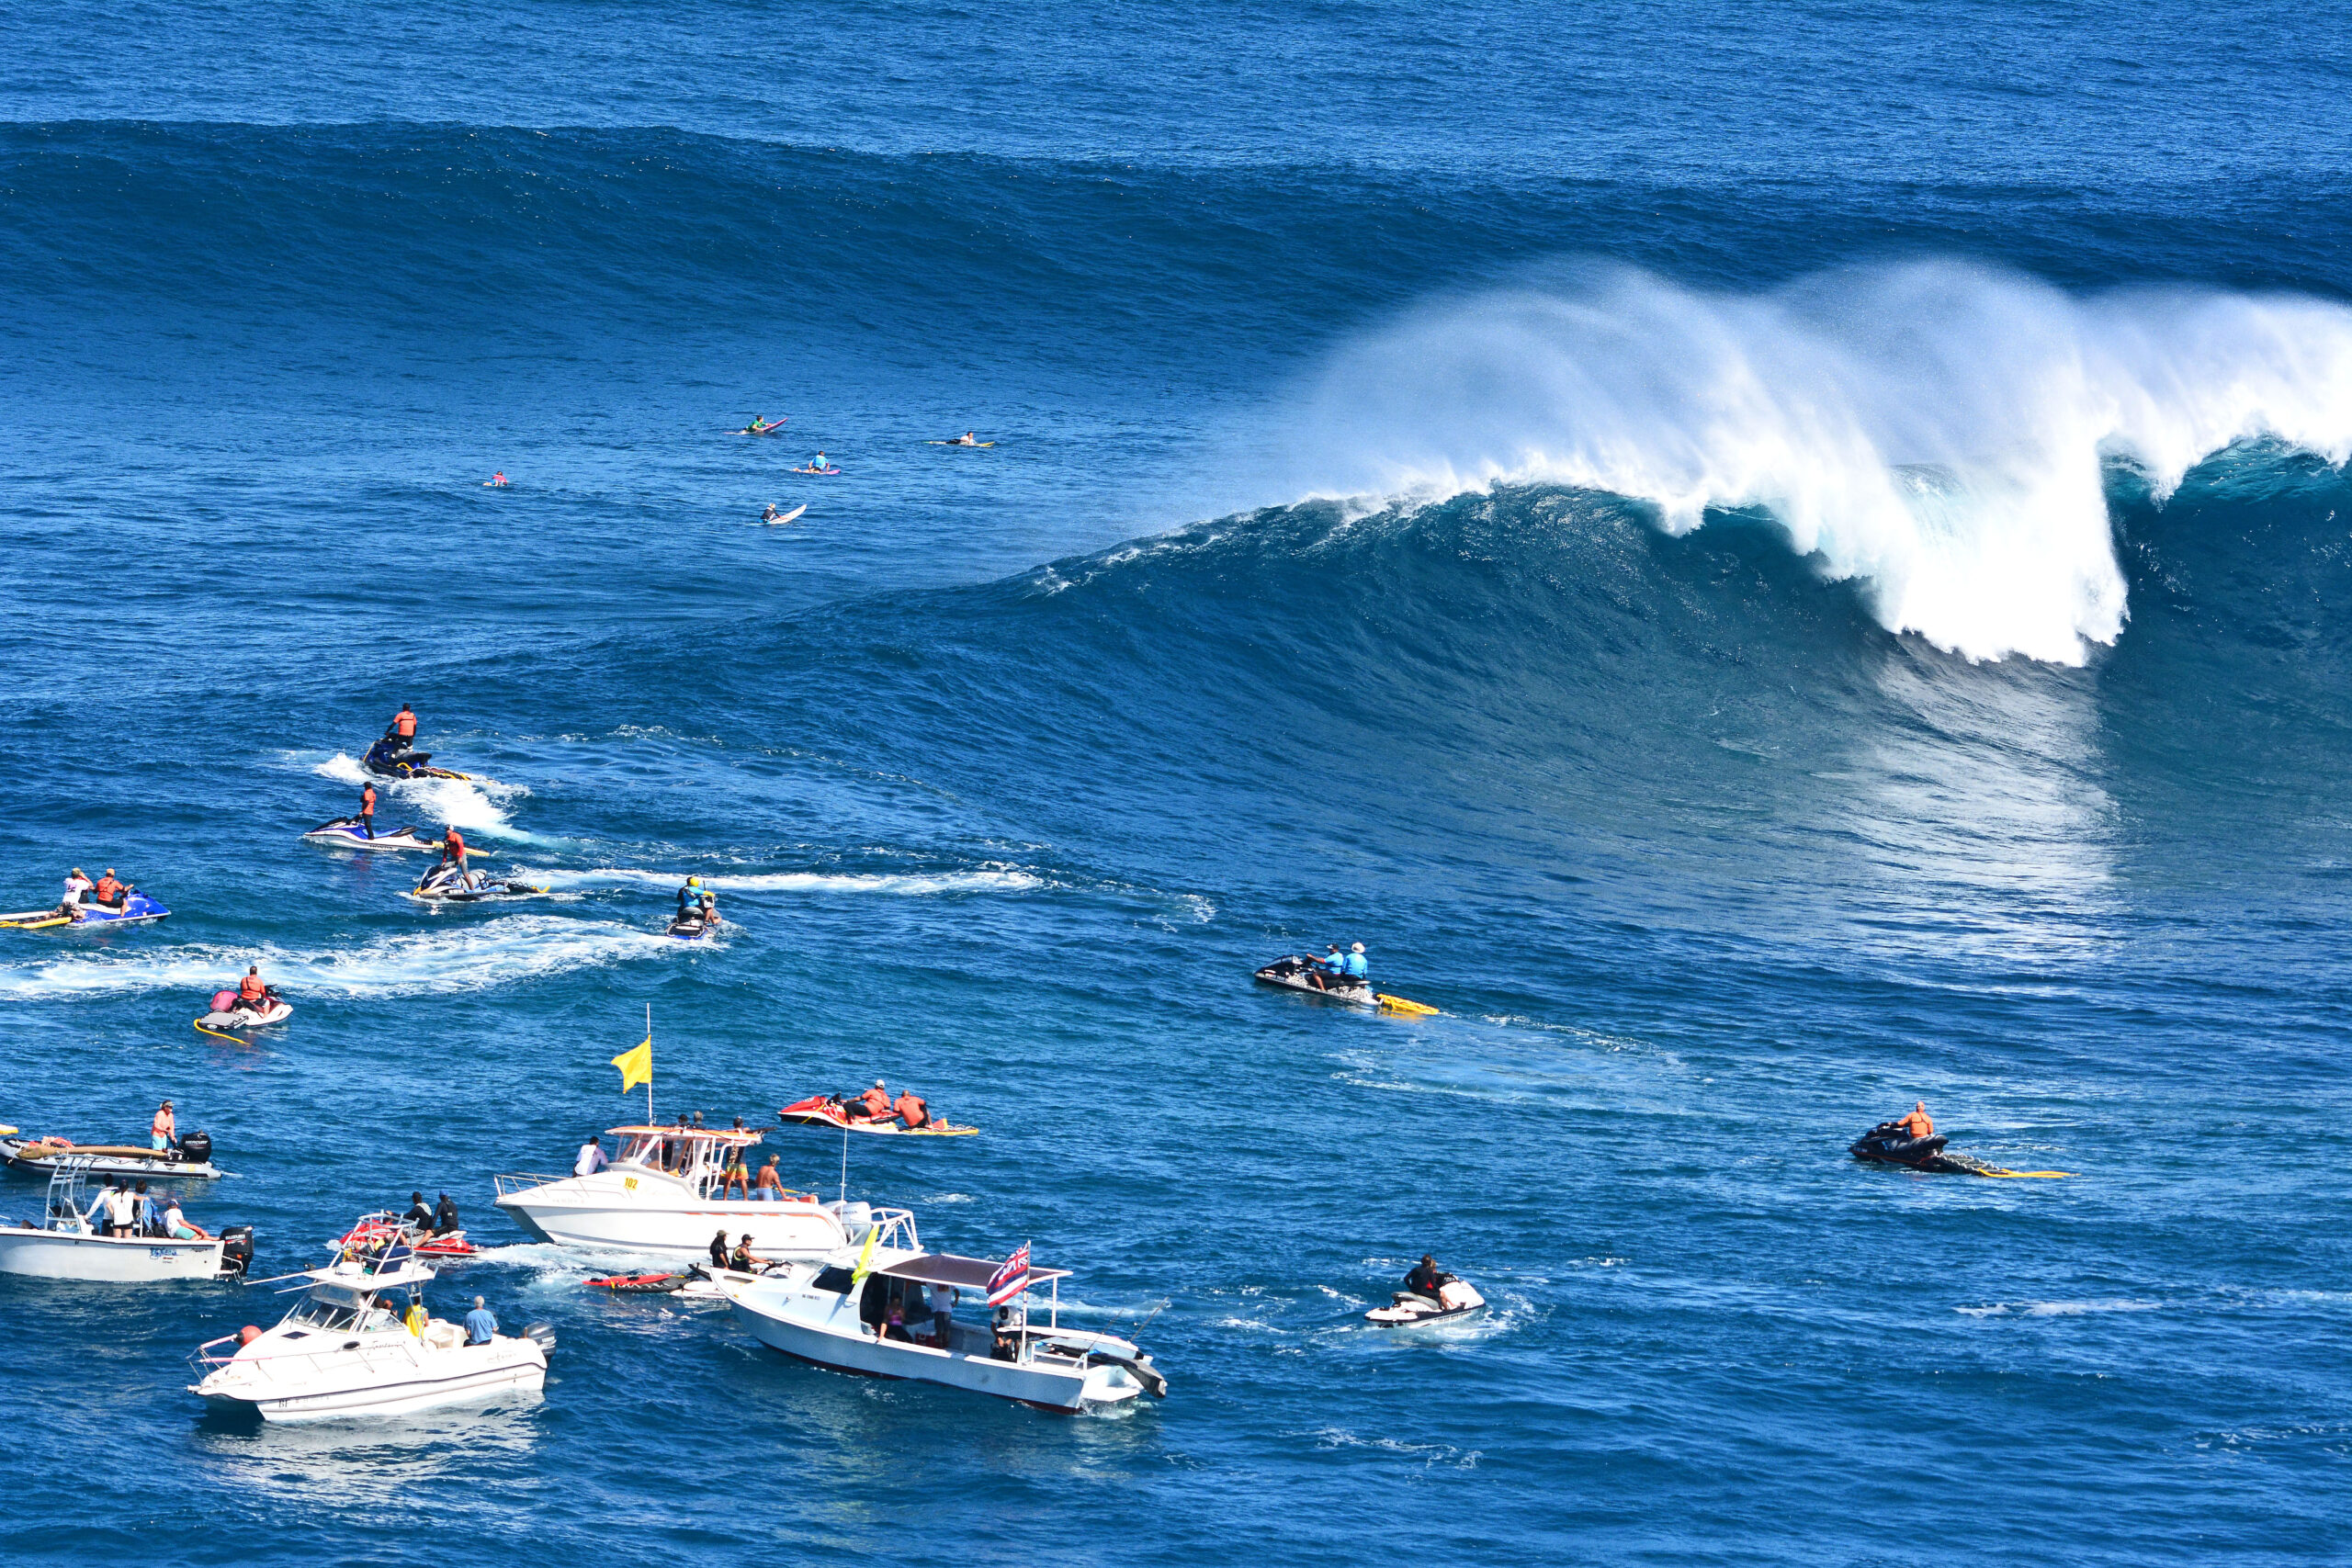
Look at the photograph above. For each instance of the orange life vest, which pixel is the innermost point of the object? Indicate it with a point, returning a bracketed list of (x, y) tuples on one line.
[(251, 988), (108, 890), (405, 725), (367, 800), (913, 1110), (876, 1102), (457, 843)]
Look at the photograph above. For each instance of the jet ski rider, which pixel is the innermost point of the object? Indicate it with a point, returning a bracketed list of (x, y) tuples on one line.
[(77, 887), (251, 991), (1357, 970), (1326, 968), (419, 1217), (688, 894), (402, 728), (1427, 1279), (874, 1105), (367, 811), (910, 1110), (1919, 1124), (110, 892), (453, 851)]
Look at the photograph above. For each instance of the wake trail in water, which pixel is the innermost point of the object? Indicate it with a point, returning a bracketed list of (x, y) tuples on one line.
[(500, 952), (912, 883), (1939, 431), (474, 805)]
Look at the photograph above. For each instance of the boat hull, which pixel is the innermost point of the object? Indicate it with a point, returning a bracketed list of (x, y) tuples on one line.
[(430, 1379), (657, 1218), (843, 1345), (134, 1260)]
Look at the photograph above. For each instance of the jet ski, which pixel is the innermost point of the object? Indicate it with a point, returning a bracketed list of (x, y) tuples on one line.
[(824, 1111), (346, 830), (1455, 1298), (190, 1158), (1299, 973), (135, 908), (691, 927), (445, 884), (231, 1011), (393, 758), (1890, 1143), (376, 1234)]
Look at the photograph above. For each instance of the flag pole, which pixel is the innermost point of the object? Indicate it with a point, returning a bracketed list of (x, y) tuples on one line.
[(648, 1064)]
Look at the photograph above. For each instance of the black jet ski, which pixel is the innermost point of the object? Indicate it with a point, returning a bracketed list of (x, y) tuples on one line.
[(392, 757), (692, 926), (346, 830), (1297, 973), (443, 885), (1890, 1143)]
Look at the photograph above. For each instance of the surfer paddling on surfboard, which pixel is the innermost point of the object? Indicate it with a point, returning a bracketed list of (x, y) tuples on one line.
[(818, 466)]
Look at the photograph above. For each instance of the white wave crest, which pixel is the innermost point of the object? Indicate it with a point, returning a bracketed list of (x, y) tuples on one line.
[(993, 881), (1936, 429), (497, 952)]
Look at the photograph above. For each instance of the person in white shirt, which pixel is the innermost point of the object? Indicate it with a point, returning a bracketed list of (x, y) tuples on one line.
[(943, 1309), (592, 1159), (122, 1211), (178, 1227)]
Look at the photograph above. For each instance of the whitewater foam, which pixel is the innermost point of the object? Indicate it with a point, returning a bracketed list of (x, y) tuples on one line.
[(471, 804), (496, 953), (987, 881), (1938, 431)]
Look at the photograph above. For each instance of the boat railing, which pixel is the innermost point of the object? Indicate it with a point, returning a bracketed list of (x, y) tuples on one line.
[(523, 1181), (897, 1227)]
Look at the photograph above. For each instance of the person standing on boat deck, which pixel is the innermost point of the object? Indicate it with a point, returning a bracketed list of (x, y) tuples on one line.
[(737, 1174), (145, 1206), (445, 1219), (164, 1131), (418, 1318), (481, 1325), (943, 1313), (418, 1217), (122, 1211), (592, 1158), (770, 1185)]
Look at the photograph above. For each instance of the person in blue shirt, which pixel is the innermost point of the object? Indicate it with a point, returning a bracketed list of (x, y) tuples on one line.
[(1354, 966), (481, 1325)]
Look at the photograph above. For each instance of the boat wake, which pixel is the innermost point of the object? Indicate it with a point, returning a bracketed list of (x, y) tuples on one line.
[(472, 805), (989, 880), (504, 952)]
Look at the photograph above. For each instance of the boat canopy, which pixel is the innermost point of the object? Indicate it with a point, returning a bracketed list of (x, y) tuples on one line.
[(966, 1273), (743, 1135), (353, 1278)]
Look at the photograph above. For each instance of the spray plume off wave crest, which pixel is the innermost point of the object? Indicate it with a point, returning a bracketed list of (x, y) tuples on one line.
[(1938, 431)]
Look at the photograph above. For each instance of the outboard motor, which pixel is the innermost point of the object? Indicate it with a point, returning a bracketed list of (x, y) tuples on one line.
[(542, 1335), (237, 1250), (856, 1218), (196, 1147)]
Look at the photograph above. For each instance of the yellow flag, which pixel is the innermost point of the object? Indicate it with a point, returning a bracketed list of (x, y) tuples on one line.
[(865, 1257), (636, 1066)]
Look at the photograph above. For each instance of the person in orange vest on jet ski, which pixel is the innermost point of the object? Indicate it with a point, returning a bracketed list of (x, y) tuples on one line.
[(251, 991), (367, 811), (404, 725), (1918, 1125), (874, 1105), (111, 892), (910, 1110), (453, 848)]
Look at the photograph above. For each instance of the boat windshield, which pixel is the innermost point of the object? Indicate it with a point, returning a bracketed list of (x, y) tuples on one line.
[(327, 1315)]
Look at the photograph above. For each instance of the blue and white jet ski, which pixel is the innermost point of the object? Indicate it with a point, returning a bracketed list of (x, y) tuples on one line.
[(346, 831), (135, 908), (443, 885)]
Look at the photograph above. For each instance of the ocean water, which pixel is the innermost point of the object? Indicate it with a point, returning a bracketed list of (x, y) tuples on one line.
[(1770, 563)]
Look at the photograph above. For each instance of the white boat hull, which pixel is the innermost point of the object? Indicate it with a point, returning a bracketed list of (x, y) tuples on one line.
[(134, 1260), (398, 1375), (838, 1341), (645, 1211)]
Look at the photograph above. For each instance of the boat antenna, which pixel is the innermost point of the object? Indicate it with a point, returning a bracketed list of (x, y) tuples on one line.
[(648, 1064)]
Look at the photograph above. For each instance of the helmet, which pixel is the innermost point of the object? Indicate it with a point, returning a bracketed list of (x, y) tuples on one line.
[(877, 1083), (693, 882)]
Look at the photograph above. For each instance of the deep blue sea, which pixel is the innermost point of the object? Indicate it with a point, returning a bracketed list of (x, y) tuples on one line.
[(1771, 561)]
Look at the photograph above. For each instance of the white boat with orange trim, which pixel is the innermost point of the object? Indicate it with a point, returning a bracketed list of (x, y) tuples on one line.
[(666, 1193), (866, 1310)]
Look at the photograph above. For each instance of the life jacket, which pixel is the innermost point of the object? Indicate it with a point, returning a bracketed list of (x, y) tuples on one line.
[(109, 891), (251, 989), (913, 1110), (367, 800), (405, 725), (456, 845), (875, 1101)]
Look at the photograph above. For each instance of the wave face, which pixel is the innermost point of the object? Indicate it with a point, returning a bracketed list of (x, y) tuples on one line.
[(1939, 432)]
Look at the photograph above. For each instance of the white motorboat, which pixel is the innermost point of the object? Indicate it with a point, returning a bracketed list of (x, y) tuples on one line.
[(344, 1351), (836, 1311), (64, 1245), (190, 1159), (664, 1194)]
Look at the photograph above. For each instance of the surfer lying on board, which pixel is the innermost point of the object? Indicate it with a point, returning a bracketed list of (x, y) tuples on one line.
[(969, 438)]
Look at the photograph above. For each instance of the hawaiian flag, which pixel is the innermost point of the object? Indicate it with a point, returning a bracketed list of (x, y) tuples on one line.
[(1011, 1277)]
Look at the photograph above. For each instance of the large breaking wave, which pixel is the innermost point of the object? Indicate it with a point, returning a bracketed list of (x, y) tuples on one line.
[(1943, 433)]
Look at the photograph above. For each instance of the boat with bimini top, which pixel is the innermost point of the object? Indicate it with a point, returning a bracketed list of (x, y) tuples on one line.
[(66, 1243), (875, 1309)]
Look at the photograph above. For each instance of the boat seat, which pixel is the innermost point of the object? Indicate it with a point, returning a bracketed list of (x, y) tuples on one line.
[(442, 1335)]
